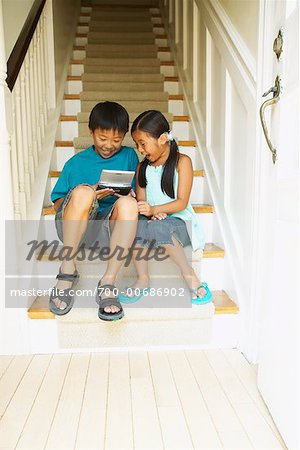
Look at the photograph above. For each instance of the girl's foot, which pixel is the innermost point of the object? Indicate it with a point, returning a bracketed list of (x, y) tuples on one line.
[(193, 282), (141, 283)]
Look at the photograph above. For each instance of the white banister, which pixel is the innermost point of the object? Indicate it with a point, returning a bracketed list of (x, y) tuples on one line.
[(32, 99), (33, 118), (24, 134), (31, 161), (5, 126), (17, 116)]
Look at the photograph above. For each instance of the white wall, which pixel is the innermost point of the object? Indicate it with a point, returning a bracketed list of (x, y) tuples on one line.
[(214, 53), (244, 16), (15, 13)]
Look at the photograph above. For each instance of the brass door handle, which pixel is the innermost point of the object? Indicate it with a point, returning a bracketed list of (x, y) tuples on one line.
[(276, 97)]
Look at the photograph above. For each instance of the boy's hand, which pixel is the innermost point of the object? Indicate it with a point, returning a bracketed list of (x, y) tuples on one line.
[(145, 209), (102, 193), (131, 194)]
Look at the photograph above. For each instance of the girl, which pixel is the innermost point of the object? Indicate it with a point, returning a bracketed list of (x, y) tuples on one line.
[(163, 187)]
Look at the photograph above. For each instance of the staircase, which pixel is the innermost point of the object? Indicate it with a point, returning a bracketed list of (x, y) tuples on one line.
[(121, 54)]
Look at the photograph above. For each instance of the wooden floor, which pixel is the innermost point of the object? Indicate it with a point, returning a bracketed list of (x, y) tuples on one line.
[(157, 400)]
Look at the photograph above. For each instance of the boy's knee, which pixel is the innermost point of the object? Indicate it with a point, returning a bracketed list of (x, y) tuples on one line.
[(82, 197), (127, 206)]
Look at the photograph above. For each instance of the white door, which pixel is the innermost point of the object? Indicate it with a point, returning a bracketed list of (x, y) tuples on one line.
[(278, 359)]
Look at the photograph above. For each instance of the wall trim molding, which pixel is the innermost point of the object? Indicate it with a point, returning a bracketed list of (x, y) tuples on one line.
[(234, 41)]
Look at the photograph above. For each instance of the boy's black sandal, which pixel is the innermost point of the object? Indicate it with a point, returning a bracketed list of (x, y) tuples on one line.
[(108, 301), (63, 294)]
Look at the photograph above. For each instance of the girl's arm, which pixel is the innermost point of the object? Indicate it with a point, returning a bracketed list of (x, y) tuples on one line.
[(185, 181), (140, 192)]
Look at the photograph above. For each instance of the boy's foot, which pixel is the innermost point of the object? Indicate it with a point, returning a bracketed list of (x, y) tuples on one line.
[(64, 284), (108, 293), (61, 300), (109, 306)]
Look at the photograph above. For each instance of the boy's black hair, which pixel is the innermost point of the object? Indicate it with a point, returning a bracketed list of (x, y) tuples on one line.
[(109, 116), (154, 123)]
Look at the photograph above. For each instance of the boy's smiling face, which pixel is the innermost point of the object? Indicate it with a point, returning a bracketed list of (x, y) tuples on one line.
[(107, 142)]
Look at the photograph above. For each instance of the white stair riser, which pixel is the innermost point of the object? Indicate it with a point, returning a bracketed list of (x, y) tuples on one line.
[(176, 107), (168, 71), (86, 20), (73, 107), (160, 42), (66, 131), (224, 329), (75, 87), (62, 154), (162, 56), (78, 69), (165, 335)]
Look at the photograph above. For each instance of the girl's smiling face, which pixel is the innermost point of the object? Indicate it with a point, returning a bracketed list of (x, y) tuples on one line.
[(151, 148), (107, 142)]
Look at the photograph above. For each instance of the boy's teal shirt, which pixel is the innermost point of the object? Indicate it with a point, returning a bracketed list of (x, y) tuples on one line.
[(86, 167)]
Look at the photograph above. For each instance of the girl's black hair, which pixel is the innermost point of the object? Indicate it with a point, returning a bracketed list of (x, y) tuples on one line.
[(154, 123), (109, 116)]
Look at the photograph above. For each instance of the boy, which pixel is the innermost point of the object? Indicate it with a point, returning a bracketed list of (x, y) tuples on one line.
[(80, 208)]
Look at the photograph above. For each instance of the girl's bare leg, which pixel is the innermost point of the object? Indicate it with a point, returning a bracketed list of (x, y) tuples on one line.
[(141, 267), (177, 254)]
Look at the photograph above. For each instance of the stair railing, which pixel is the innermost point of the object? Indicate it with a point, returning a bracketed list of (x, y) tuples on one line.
[(31, 99)]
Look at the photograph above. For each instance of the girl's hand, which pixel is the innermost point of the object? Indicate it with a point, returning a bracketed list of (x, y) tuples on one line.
[(159, 216), (145, 209)]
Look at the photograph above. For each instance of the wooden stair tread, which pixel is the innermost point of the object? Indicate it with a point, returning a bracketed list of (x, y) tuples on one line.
[(56, 173), (77, 97), (49, 210), (71, 96), (222, 302), (171, 78), (162, 63), (109, 7), (69, 118), (156, 36), (79, 78), (70, 143), (159, 49)]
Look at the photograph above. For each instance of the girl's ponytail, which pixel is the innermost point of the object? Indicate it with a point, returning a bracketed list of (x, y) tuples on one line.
[(167, 179)]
